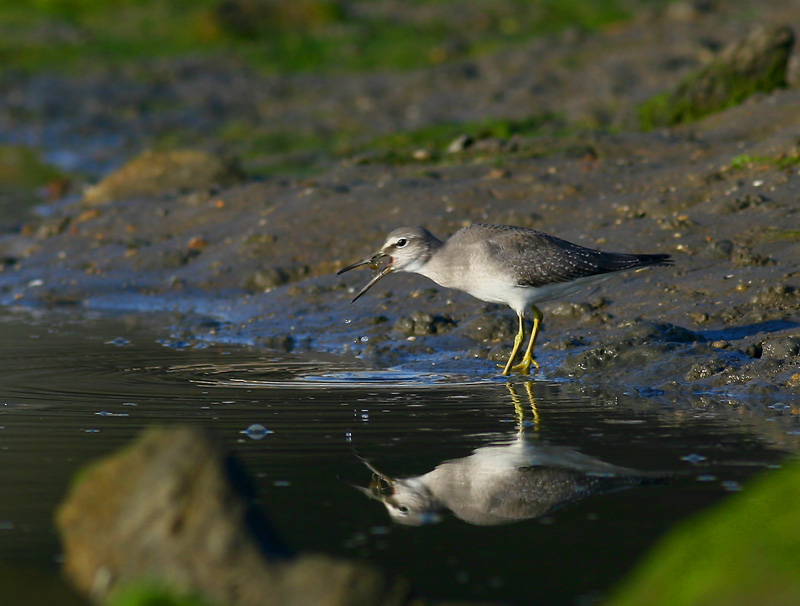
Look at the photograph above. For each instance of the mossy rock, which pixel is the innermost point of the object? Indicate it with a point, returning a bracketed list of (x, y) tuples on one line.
[(159, 172), (745, 551), (756, 64)]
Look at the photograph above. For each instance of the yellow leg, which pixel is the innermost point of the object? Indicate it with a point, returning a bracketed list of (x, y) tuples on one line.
[(524, 367), (517, 343)]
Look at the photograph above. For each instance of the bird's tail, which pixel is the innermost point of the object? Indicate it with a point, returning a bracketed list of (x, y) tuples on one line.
[(645, 260), (610, 262)]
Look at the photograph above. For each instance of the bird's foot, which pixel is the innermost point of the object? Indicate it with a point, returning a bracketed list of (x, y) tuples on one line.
[(523, 368)]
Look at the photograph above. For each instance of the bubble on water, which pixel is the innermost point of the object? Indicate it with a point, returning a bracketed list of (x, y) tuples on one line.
[(106, 413), (706, 478), (732, 486), (256, 431), (119, 342), (693, 458), (178, 344)]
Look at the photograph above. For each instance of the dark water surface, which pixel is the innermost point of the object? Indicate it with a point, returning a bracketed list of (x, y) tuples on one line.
[(74, 390)]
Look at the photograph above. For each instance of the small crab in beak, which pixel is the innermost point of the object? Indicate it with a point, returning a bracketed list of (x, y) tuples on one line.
[(374, 263)]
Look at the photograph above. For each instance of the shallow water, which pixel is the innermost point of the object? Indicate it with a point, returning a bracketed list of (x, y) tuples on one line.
[(75, 389)]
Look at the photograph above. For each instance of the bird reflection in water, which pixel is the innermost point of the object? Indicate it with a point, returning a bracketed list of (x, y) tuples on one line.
[(502, 483)]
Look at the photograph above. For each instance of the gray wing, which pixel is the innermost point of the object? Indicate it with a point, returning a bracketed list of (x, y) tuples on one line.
[(537, 258)]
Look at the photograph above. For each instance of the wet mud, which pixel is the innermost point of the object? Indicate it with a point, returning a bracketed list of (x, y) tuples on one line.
[(253, 260)]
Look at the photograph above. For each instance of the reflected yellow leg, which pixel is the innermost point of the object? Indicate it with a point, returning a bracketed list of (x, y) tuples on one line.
[(517, 343), (532, 401), (524, 367), (520, 409)]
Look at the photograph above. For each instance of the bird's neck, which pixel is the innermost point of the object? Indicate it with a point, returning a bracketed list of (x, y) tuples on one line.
[(419, 265)]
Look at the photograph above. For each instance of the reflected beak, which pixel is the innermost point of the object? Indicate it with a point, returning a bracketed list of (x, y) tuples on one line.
[(381, 486), (373, 262)]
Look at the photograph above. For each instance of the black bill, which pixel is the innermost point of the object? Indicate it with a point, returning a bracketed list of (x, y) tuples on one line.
[(373, 263)]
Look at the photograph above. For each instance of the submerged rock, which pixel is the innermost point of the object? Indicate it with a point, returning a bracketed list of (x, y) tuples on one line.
[(173, 511)]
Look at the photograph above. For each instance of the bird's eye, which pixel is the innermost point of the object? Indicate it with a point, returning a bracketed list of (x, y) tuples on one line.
[(402, 509), (401, 243)]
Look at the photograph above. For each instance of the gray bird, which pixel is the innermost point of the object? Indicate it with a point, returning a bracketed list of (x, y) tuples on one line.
[(500, 484), (502, 264)]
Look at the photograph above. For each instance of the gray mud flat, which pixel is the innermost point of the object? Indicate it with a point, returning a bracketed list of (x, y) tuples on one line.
[(724, 319), (253, 261)]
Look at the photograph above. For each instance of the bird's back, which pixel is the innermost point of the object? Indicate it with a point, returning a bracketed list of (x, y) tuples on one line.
[(535, 258), (520, 266)]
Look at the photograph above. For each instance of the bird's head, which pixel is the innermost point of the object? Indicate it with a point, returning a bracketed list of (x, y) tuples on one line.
[(409, 501), (407, 248)]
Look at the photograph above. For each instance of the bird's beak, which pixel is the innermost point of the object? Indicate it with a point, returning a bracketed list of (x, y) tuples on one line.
[(373, 262)]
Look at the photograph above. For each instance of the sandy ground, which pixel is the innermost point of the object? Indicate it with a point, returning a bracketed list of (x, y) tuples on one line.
[(254, 261)]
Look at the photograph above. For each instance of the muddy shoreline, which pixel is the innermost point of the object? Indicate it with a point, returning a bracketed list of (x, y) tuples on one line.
[(253, 260)]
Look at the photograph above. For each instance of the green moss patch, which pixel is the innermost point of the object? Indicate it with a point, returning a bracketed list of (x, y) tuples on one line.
[(282, 36)]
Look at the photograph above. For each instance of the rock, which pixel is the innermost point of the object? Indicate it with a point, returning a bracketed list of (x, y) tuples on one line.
[(705, 369), (744, 257), (756, 64), (644, 343), (781, 347), (271, 277), (155, 173), (753, 350), (594, 359), (569, 310), (285, 343), (722, 249), (171, 509), (266, 278), (422, 324), (258, 246), (781, 296), (491, 326), (459, 144), (644, 331)]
